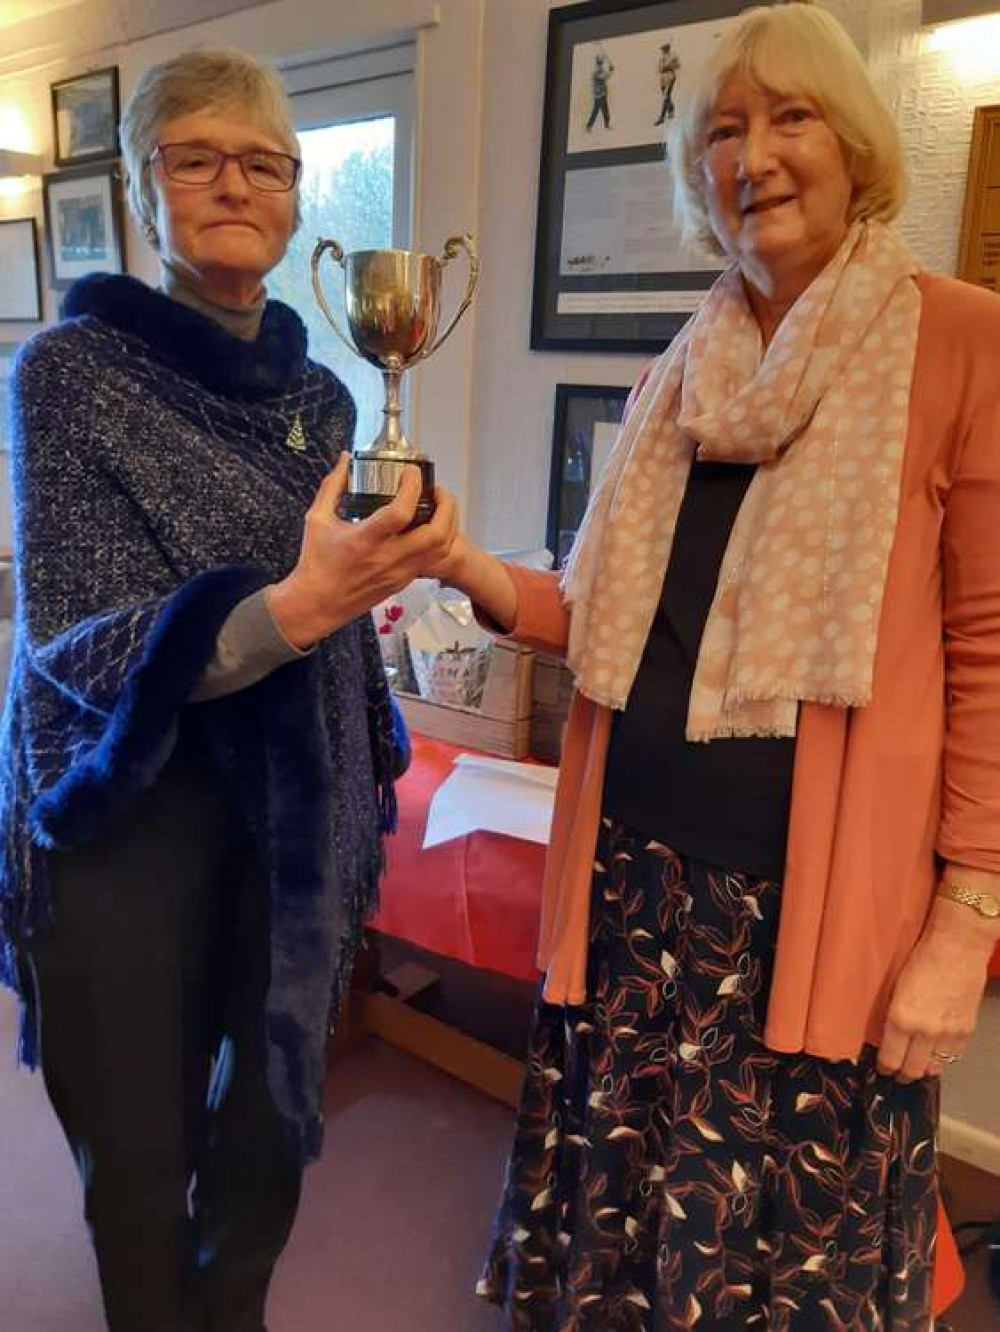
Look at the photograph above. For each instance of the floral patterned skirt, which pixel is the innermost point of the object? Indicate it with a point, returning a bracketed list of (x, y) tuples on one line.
[(670, 1172)]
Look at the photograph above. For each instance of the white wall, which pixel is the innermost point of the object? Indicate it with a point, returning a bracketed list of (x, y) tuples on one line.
[(484, 404), (936, 112), (970, 1102), (515, 387)]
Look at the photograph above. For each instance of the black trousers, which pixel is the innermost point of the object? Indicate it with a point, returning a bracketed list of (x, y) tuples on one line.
[(666, 105), (151, 987), (600, 107)]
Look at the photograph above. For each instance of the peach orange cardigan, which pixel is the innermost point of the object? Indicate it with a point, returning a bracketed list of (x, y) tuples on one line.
[(878, 792)]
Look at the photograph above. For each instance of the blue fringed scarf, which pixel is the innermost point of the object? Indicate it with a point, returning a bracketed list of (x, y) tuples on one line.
[(154, 489)]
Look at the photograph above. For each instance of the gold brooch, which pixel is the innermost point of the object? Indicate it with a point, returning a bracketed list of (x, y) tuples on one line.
[(296, 440)]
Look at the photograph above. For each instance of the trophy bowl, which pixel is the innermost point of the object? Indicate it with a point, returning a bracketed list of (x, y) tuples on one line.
[(393, 302), (392, 299)]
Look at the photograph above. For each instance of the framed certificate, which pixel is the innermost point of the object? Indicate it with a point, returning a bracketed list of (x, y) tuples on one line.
[(20, 278)]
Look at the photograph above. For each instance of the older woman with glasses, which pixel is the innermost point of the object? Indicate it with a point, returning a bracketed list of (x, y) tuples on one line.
[(198, 747)]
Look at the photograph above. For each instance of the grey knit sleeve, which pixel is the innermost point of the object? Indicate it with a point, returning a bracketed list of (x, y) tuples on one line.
[(249, 646)]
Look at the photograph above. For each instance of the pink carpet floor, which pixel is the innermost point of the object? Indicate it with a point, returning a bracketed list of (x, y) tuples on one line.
[(390, 1236), (392, 1229)]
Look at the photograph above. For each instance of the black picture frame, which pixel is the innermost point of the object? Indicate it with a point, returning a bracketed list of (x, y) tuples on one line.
[(584, 298), (84, 225), (579, 410), (85, 113), (20, 272)]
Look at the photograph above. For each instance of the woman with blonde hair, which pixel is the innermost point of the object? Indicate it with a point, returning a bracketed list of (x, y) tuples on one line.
[(774, 878), (199, 745)]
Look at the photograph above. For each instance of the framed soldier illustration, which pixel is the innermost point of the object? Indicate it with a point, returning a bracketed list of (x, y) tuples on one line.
[(611, 270)]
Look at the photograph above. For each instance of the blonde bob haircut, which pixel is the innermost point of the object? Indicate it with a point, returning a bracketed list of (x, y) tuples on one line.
[(793, 50), (217, 80)]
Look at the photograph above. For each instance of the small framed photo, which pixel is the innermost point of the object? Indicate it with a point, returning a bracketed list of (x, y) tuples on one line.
[(20, 278), (587, 420), (613, 272), (85, 117), (83, 221)]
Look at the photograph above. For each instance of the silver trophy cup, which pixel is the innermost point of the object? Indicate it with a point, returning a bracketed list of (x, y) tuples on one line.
[(393, 302)]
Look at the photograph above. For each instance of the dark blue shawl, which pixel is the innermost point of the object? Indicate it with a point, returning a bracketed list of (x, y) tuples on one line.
[(154, 489)]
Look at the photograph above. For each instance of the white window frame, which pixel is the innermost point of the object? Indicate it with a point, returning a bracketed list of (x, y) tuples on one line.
[(364, 86)]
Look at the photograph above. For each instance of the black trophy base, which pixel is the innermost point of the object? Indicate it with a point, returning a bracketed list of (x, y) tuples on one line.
[(357, 505)]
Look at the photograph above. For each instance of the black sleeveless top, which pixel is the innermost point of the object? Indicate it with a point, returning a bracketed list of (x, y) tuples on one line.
[(725, 802)]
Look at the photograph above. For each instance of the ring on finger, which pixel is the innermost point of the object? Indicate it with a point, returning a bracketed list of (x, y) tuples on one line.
[(945, 1057)]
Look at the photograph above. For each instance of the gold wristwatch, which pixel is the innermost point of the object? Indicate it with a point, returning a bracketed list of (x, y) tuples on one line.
[(985, 903)]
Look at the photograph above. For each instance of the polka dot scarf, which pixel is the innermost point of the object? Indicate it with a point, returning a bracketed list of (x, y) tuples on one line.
[(824, 414)]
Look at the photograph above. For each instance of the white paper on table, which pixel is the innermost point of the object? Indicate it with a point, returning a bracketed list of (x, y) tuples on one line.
[(492, 795)]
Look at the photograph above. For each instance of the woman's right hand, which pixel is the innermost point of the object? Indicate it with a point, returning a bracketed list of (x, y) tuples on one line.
[(482, 577), (346, 568)]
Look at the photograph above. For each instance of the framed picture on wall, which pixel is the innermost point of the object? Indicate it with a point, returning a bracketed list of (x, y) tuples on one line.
[(587, 418), (85, 113), (8, 350), (20, 279), (611, 271), (979, 248), (83, 222)]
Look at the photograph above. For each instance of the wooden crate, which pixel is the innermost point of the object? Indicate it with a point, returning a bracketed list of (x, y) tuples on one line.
[(501, 725), (552, 693)]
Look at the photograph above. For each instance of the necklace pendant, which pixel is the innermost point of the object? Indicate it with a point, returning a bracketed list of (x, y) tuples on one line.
[(296, 439)]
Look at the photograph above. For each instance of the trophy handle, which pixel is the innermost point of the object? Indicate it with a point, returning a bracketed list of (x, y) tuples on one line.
[(338, 254), (451, 248)]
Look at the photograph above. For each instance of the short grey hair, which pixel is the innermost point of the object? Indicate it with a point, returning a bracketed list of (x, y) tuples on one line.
[(209, 79), (793, 49)]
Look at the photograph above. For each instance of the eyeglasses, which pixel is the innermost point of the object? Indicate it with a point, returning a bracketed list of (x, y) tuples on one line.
[(198, 164)]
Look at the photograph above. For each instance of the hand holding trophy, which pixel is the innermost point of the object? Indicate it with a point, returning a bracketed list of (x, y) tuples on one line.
[(393, 301)]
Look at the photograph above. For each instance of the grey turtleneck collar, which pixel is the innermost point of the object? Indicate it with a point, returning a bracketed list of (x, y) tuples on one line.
[(243, 321)]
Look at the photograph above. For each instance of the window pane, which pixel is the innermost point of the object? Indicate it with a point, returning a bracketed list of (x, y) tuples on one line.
[(346, 195)]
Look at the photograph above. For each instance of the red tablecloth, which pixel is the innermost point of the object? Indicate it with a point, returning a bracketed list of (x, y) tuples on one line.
[(476, 898)]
